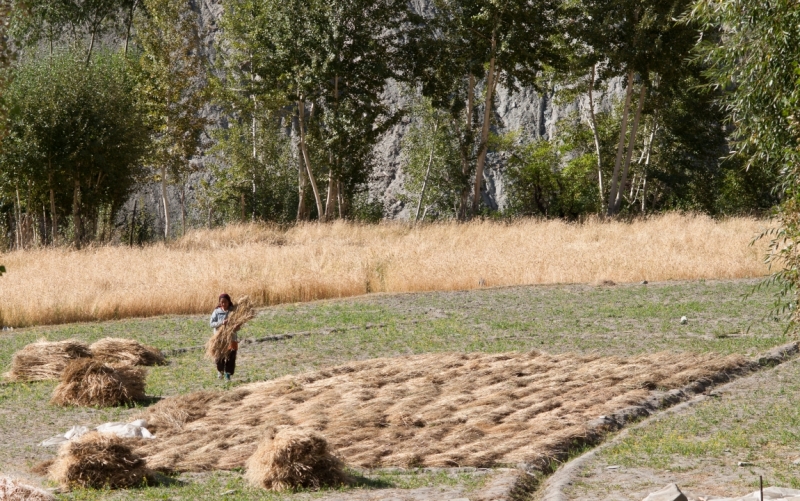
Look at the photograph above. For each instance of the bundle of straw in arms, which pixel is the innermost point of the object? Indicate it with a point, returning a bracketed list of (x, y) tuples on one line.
[(218, 346)]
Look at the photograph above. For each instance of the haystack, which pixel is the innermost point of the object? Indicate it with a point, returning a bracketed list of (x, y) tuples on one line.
[(87, 382), (243, 312), (292, 459), (120, 351), (14, 490), (45, 360), (98, 460)]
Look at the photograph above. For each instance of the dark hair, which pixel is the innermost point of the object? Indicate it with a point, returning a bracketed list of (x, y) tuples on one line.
[(225, 296)]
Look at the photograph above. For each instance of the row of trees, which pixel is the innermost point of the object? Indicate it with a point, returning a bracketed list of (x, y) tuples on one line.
[(112, 94)]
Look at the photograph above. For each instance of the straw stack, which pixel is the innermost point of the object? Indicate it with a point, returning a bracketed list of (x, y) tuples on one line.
[(119, 351), (98, 460), (293, 459), (44, 360), (87, 382)]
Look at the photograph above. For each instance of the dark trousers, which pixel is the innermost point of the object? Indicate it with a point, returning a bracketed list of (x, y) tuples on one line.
[(227, 364)]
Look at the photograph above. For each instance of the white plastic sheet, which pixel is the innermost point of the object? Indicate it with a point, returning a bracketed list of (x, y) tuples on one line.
[(134, 429)]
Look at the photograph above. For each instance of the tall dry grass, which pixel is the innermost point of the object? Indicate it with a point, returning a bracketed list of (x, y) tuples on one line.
[(312, 261)]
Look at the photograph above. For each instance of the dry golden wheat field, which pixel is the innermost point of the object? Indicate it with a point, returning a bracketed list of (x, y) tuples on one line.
[(314, 261)]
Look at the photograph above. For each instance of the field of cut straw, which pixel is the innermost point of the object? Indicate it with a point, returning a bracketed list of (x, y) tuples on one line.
[(308, 262), (441, 410)]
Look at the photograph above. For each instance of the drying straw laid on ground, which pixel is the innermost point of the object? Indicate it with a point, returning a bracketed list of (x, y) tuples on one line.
[(14, 490), (120, 351), (423, 410), (44, 360), (219, 344), (98, 460), (89, 383), (289, 459)]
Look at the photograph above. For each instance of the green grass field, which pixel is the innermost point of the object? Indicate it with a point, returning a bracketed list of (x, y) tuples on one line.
[(617, 320)]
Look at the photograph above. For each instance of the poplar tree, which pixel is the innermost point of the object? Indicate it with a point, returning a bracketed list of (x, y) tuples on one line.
[(172, 87), (632, 39), (328, 62), (510, 43)]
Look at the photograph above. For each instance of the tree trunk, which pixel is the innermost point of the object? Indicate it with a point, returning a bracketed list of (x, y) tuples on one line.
[(76, 213), (427, 173), (631, 144), (53, 215), (593, 126), (301, 205), (130, 23), (466, 142), (484, 144), (133, 222), (330, 202), (623, 130), (647, 160), (91, 47), (18, 232), (183, 209), (340, 199), (165, 202), (302, 109)]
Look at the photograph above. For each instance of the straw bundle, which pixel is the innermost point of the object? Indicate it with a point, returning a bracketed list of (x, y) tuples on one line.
[(293, 459), (87, 382), (44, 360), (98, 460), (218, 346), (121, 351), (437, 409), (14, 490)]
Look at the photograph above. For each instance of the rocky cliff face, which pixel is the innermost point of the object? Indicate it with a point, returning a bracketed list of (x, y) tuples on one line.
[(535, 114)]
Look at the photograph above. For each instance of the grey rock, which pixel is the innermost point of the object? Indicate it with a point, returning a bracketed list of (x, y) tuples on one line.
[(668, 493), (684, 320), (533, 114)]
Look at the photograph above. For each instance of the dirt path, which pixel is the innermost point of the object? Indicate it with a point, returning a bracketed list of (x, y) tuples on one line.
[(718, 445)]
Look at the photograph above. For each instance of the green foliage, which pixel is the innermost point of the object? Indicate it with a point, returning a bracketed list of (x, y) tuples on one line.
[(366, 209), (331, 58), (752, 53), (252, 181), (64, 23), (172, 89), (538, 185), (76, 130), (432, 171)]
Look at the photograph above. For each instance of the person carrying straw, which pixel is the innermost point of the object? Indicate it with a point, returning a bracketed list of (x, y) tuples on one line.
[(226, 361)]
